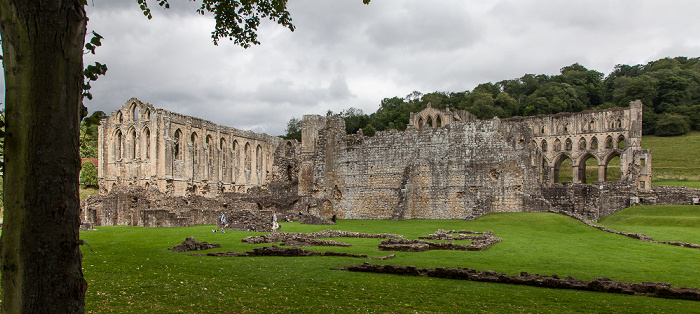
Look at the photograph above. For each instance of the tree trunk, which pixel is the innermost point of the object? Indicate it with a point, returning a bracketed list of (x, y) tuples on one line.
[(42, 43)]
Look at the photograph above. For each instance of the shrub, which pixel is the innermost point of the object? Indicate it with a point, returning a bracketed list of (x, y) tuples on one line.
[(672, 124), (88, 174)]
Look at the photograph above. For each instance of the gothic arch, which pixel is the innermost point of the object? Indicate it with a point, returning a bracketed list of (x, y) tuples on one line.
[(582, 166), (133, 144), (420, 123), (146, 142), (438, 121), (594, 143), (258, 158), (612, 155), (609, 142), (557, 145), (429, 123), (543, 145), (134, 110), (118, 145), (620, 142), (558, 160), (582, 144), (568, 144), (248, 159), (177, 145), (224, 158), (209, 144), (120, 117)]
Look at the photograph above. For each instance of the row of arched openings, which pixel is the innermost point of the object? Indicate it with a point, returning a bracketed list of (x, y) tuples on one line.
[(127, 147), (134, 115), (430, 121), (588, 167), (619, 143), (586, 126), (212, 150)]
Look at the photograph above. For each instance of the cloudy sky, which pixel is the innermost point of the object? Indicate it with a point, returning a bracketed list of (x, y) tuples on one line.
[(345, 54)]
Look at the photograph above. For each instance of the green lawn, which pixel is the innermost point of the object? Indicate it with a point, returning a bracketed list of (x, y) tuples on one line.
[(675, 158), (132, 271), (663, 223)]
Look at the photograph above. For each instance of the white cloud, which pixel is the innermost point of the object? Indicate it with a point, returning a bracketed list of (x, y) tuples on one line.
[(346, 54)]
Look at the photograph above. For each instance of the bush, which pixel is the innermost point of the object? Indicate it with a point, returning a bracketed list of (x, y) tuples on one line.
[(672, 124), (88, 174)]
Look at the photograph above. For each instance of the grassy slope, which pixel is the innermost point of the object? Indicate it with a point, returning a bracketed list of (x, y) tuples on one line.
[(675, 158), (663, 223), (132, 270)]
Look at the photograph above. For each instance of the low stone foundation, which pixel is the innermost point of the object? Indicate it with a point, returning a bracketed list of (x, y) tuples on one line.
[(292, 251), (650, 289)]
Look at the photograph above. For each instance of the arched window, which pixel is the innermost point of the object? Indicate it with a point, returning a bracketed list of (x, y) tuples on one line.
[(258, 158), (591, 125), (566, 128), (177, 145), (195, 148), (568, 144), (543, 130), (621, 142), (147, 115), (582, 144), (544, 145), (438, 121), (619, 123), (594, 143), (135, 112), (248, 159), (118, 145), (608, 142), (430, 122), (420, 123), (223, 147), (133, 143), (146, 143), (557, 145), (120, 117)]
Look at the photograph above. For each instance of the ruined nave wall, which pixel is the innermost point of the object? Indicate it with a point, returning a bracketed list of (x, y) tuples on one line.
[(462, 170)]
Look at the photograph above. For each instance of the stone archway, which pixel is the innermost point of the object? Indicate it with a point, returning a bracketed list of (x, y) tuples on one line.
[(612, 160), (565, 162), (585, 161)]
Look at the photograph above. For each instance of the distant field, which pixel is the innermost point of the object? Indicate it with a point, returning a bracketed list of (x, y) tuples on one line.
[(131, 270), (675, 158)]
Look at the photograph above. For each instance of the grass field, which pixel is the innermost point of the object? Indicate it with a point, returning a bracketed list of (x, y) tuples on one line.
[(132, 271), (675, 158)]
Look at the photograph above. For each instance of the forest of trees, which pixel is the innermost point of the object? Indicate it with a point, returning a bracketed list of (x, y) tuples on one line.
[(669, 89)]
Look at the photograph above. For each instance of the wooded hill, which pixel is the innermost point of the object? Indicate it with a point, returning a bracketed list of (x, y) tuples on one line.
[(669, 89)]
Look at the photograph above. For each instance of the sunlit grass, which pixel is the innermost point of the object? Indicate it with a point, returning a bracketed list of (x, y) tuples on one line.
[(133, 271)]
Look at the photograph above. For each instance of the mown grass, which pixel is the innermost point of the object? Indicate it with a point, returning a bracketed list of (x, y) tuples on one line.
[(132, 271), (663, 223), (675, 158)]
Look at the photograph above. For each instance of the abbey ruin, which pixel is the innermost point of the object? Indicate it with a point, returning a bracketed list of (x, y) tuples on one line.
[(445, 165)]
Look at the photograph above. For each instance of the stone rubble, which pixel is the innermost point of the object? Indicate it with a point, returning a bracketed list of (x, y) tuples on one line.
[(190, 244), (607, 285)]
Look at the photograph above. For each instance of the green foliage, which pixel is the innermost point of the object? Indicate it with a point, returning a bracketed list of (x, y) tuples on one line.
[(133, 272), (89, 136), (88, 174), (671, 125), (293, 130), (665, 86)]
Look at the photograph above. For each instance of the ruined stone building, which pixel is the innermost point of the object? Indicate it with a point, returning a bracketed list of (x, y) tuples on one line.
[(445, 165), (140, 145)]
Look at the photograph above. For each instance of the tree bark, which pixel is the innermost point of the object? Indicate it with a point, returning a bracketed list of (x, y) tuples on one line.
[(42, 43)]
